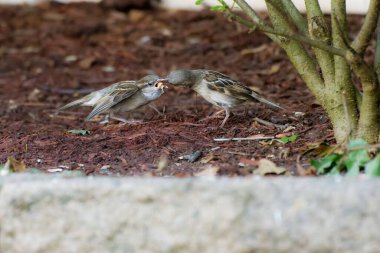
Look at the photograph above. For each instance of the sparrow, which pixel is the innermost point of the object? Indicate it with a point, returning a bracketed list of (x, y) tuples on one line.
[(217, 88), (90, 99), (127, 96)]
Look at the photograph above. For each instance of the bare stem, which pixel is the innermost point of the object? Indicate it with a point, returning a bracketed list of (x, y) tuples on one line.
[(249, 11), (365, 34), (296, 16), (343, 81), (377, 53), (318, 29), (297, 54), (368, 127)]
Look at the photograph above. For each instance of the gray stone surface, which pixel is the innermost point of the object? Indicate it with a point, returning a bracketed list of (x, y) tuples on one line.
[(289, 215)]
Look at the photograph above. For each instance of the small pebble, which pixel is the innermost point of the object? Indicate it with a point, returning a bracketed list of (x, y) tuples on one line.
[(108, 69), (192, 157), (299, 114), (70, 58), (55, 170)]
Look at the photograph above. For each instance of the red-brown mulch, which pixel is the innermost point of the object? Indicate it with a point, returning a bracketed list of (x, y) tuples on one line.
[(53, 54)]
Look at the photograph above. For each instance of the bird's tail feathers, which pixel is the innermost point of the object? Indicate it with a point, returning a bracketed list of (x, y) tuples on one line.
[(265, 101), (73, 104)]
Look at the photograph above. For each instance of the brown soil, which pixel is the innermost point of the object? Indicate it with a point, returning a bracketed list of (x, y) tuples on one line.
[(52, 54)]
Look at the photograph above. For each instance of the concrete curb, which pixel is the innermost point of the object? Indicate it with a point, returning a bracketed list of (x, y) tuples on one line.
[(55, 214)]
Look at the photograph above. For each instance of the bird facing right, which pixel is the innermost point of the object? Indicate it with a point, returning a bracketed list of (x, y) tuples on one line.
[(123, 96), (127, 96), (218, 89)]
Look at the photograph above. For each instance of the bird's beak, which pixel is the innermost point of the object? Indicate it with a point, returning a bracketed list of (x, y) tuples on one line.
[(161, 84), (163, 80)]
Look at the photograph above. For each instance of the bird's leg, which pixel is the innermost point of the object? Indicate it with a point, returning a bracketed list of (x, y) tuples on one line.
[(124, 120), (156, 110), (214, 115), (245, 111), (226, 117)]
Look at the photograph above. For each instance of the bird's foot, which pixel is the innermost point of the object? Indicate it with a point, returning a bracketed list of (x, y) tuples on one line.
[(105, 120), (214, 116), (131, 122), (123, 120)]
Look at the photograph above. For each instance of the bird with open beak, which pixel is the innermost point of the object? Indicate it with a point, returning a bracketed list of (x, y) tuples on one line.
[(127, 96), (218, 89)]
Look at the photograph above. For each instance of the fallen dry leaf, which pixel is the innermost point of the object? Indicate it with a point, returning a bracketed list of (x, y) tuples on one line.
[(248, 162), (87, 62), (53, 16), (162, 163), (283, 135), (209, 171), (268, 167), (207, 158), (12, 165), (318, 149), (303, 172), (136, 15), (134, 136), (254, 50), (271, 70), (35, 96), (288, 129)]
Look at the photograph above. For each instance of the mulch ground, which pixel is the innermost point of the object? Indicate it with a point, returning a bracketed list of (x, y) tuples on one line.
[(53, 54)]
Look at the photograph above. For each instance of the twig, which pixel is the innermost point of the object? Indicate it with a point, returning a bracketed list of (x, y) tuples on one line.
[(238, 153), (246, 139), (369, 146), (62, 117), (267, 123), (31, 104), (249, 11), (291, 35), (296, 16), (184, 124)]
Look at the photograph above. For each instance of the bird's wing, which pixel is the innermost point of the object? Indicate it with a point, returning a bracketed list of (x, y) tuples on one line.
[(226, 85), (122, 91)]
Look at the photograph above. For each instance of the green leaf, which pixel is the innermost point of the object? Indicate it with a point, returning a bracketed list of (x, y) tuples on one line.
[(79, 131), (326, 164), (199, 2), (356, 158), (372, 168), (220, 8), (357, 143), (287, 139)]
